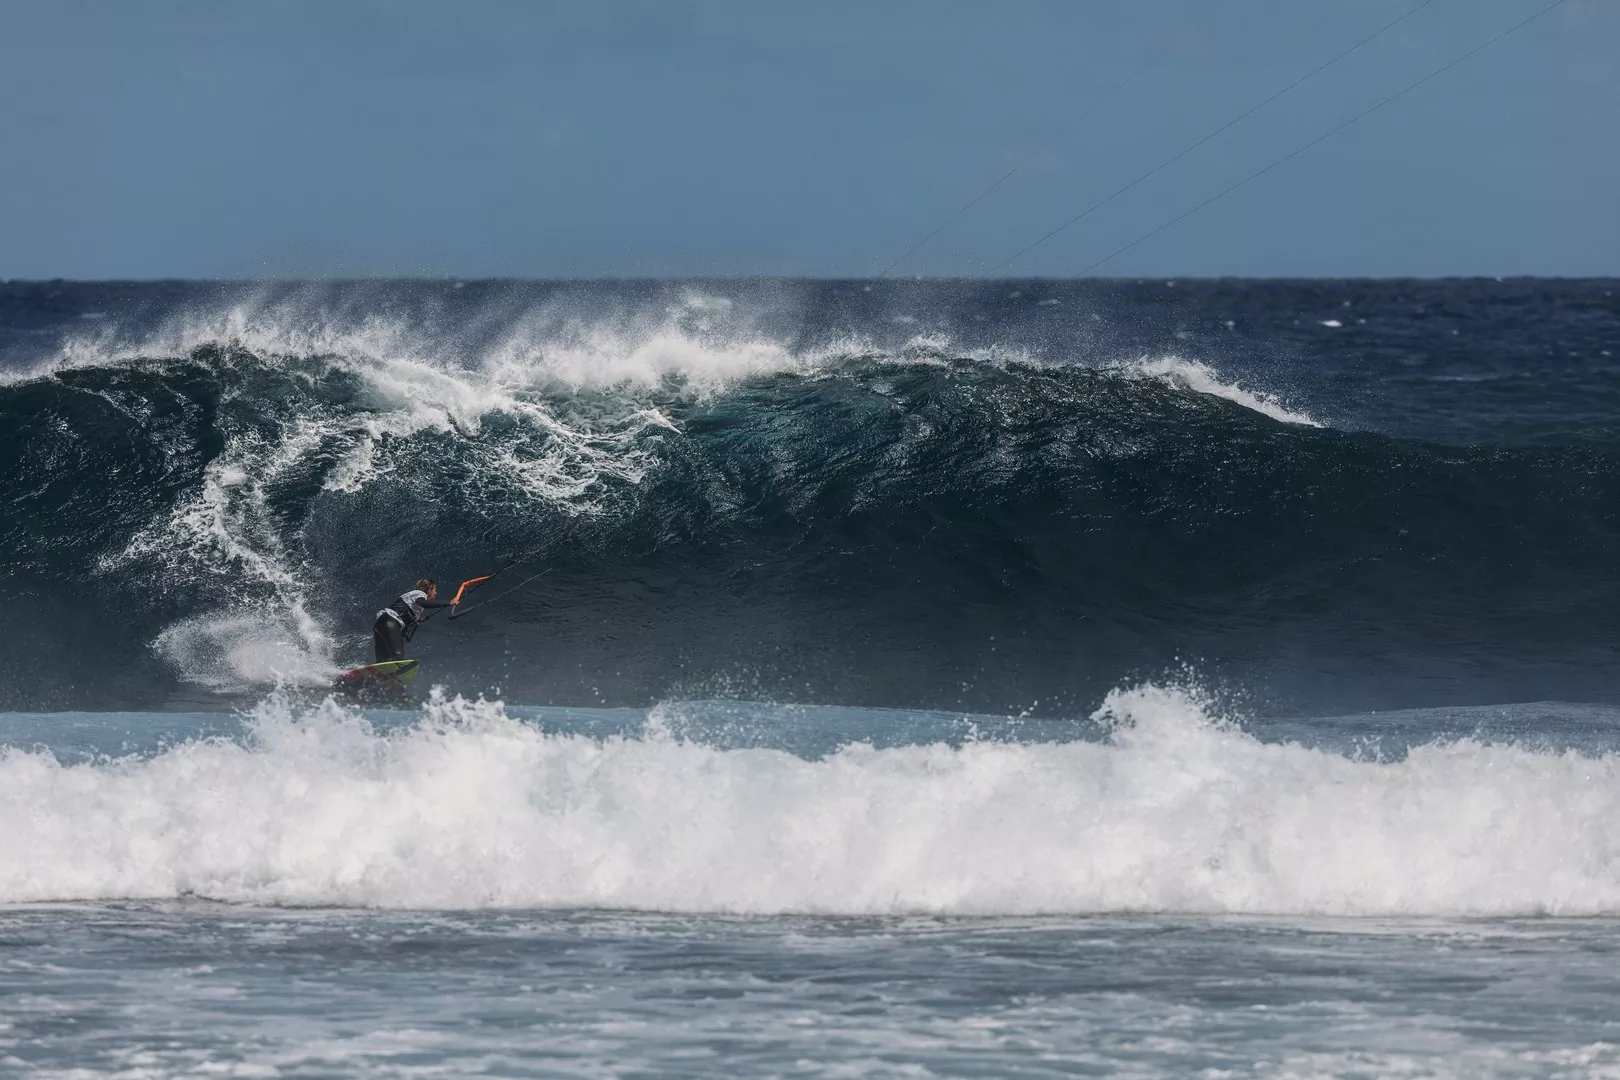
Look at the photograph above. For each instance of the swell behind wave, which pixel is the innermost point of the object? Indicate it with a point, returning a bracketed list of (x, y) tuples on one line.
[(469, 808)]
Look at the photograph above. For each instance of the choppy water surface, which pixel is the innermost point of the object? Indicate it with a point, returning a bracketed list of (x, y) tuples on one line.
[(183, 989)]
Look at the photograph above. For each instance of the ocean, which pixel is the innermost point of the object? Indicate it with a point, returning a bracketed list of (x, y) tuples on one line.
[(922, 678)]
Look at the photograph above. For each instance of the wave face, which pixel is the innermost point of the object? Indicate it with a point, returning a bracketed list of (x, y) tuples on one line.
[(467, 807), (995, 496)]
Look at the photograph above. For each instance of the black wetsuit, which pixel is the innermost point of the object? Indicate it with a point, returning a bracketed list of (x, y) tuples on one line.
[(396, 623)]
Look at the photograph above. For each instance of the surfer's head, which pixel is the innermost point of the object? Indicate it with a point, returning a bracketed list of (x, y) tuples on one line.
[(429, 586)]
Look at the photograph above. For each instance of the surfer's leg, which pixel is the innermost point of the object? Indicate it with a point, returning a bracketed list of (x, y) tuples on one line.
[(387, 640)]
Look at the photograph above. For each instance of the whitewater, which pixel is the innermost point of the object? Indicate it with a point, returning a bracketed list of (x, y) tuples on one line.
[(1157, 888), (1165, 809)]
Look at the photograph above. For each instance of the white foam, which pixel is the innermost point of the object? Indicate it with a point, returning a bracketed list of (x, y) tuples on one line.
[(604, 358), (250, 645), (702, 341), (471, 809), (1203, 379)]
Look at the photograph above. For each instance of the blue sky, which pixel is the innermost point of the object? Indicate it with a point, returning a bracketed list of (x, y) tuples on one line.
[(199, 139)]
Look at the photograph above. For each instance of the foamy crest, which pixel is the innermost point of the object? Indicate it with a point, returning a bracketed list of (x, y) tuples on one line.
[(557, 454), (1203, 379), (470, 808), (670, 359), (698, 342)]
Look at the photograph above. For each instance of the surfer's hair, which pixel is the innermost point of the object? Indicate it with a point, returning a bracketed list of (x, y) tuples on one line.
[(426, 583)]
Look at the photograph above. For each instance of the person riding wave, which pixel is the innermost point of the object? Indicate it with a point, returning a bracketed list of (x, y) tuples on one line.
[(396, 624)]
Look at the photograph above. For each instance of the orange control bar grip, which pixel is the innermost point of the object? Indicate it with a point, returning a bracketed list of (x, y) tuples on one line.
[(464, 584)]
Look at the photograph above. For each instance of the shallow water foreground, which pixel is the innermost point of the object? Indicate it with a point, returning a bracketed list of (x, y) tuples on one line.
[(745, 889), (193, 988)]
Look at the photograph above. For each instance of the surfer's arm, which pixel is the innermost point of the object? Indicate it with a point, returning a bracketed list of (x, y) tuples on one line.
[(427, 606), (432, 605)]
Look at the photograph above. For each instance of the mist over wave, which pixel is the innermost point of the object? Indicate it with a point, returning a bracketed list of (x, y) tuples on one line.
[(954, 495), (1172, 810)]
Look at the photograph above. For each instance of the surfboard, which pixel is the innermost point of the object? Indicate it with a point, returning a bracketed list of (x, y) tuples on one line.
[(388, 676)]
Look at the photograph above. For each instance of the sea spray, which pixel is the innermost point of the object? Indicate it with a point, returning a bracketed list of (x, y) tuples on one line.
[(468, 807)]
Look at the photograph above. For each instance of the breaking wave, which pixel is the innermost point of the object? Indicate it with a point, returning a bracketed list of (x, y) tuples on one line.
[(1172, 810), (747, 492)]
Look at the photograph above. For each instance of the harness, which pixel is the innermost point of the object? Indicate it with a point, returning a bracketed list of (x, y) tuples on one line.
[(402, 610)]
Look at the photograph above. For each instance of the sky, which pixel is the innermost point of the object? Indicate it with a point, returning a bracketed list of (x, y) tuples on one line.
[(349, 138)]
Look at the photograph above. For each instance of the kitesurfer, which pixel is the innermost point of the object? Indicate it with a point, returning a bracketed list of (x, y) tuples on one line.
[(396, 623)]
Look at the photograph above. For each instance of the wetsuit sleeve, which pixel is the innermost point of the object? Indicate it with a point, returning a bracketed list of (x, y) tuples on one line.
[(425, 602)]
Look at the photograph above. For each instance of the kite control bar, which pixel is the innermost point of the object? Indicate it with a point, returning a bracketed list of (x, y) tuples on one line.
[(456, 614), (469, 583), (472, 583)]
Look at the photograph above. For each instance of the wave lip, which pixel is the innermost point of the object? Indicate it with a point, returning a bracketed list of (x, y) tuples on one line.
[(1203, 379), (469, 808)]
